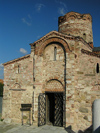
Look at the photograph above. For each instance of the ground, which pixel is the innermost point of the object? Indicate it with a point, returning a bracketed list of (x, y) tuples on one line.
[(18, 128)]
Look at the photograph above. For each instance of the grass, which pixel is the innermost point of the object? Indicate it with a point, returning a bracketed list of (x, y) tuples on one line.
[(1, 117)]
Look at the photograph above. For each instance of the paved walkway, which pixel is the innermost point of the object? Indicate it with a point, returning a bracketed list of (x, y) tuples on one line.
[(15, 128)]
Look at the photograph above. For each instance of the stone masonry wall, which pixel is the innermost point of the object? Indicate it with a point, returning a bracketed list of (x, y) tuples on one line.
[(47, 69), (87, 89), (53, 67), (48, 73), (18, 87)]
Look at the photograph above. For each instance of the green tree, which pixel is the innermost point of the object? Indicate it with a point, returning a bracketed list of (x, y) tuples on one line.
[(1, 89)]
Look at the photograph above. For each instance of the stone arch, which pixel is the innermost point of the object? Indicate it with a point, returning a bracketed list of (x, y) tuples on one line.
[(16, 86), (54, 85), (54, 40)]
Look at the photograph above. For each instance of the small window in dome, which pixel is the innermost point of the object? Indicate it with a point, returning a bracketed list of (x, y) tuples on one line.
[(84, 36), (55, 53), (97, 68)]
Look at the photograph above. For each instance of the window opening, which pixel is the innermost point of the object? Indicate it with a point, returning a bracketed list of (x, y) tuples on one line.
[(18, 69), (84, 36), (97, 68), (55, 53)]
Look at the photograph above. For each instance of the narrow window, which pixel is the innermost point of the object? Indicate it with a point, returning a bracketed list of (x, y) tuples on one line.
[(18, 69), (84, 36), (55, 53), (97, 68)]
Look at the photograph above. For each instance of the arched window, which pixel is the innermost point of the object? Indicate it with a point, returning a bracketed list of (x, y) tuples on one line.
[(97, 68), (84, 36), (55, 53), (18, 69)]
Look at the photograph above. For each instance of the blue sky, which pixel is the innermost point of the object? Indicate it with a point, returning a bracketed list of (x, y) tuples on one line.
[(25, 21)]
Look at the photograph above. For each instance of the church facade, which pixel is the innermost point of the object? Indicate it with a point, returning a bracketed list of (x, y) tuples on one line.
[(60, 78)]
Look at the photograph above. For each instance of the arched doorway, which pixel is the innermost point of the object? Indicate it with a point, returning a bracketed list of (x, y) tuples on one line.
[(54, 108), (51, 104)]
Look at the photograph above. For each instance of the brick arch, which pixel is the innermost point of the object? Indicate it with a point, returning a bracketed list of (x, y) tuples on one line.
[(54, 85), (55, 78), (52, 40)]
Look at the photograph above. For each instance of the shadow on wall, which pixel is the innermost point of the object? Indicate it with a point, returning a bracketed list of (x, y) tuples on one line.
[(88, 130), (69, 129), (97, 130)]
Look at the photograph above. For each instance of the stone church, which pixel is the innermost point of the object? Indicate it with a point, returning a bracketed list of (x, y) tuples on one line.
[(59, 80)]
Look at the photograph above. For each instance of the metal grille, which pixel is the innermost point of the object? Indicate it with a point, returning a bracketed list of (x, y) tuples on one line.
[(58, 112), (41, 109)]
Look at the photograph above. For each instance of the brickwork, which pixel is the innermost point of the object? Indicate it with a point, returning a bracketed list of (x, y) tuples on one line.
[(58, 63)]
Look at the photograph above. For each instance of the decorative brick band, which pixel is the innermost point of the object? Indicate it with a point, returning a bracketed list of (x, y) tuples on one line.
[(18, 89), (54, 40), (62, 36), (54, 90)]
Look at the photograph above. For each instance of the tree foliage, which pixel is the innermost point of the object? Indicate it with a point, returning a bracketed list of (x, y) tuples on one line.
[(1, 89)]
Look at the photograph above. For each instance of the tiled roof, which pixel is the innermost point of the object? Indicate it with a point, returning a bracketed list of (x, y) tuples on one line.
[(96, 49), (90, 53), (26, 56), (1, 81)]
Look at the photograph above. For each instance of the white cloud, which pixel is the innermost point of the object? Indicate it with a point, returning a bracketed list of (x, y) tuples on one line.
[(61, 11), (61, 3), (1, 66), (38, 36), (39, 6), (26, 22), (23, 51), (29, 16)]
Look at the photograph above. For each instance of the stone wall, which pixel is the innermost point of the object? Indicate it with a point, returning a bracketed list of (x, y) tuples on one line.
[(18, 87), (49, 72), (72, 62), (87, 89)]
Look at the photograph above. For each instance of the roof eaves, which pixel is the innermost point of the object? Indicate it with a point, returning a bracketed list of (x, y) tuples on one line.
[(23, 57)]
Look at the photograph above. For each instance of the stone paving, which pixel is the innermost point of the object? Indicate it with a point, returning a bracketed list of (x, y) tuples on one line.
[(17, 128)]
